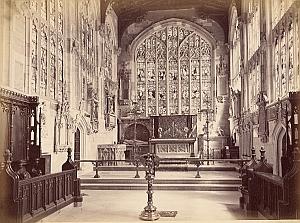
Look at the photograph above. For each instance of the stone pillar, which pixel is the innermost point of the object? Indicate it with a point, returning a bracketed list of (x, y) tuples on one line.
[(222, 103)]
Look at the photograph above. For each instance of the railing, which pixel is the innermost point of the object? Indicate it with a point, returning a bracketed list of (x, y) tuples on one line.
[(41, 194), (31, 199), (98, 164), (266, 190)]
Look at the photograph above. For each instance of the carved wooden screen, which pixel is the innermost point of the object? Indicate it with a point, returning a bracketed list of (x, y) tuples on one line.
[(19, 126), (173, 71)]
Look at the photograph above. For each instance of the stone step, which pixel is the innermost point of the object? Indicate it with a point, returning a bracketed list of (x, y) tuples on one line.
[(177, 187), (160, 181)]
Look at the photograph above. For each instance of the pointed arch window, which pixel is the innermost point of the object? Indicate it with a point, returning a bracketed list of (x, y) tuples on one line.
[(46, 47), (52, 66), (173, 71), (34, 64), (286, 55), (43, 70)]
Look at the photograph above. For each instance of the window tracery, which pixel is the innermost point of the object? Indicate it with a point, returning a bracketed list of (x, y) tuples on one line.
[(279, 8), (236, 54), (284, 56), (47, 47), (87, 60), (60, 69), (52, 12), (52, 66), (253, 26), (254, 84), (43, 69), (111, 86), (34, 64), (44, 9), (173, 71), (108, 50)]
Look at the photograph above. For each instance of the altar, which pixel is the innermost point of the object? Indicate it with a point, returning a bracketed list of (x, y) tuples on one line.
[(111, 152), (173, 148), (173, 136)]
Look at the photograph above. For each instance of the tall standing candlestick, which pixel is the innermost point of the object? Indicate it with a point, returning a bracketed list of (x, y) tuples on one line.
[(150, 213)]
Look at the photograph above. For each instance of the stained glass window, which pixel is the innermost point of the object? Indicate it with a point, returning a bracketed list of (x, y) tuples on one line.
[(277, 69), (60, 17), (108, 47), (290, 64), (47, 47), (87, 58), (253, 26), (236, 58), (283, 76), (43, 69), (33, 5), (44, 9), (141, 77), (34, 64), (52, 66), (254, 85), (52, 12), (60, 69), (285, 56), (205, 71), (173, 71)]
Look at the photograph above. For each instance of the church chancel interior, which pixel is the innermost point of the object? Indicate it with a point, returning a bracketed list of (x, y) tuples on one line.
[(131, 110)]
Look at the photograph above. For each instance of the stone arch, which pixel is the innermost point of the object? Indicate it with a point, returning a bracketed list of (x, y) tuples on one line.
[(85, 129), (143, 134), (160, 25), (278, 135), (172, 21)]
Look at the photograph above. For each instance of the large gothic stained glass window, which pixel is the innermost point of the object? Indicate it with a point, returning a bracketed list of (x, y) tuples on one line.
[(173, 71)]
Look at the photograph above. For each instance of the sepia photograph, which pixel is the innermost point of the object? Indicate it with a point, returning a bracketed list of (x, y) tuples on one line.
[(149, 110)]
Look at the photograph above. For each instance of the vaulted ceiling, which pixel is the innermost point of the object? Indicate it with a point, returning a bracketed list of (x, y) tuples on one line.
[(129, 11)]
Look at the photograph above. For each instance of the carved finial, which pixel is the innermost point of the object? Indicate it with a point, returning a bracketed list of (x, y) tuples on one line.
[(262, 153), (69, 152), (253, 155), (7, 156)]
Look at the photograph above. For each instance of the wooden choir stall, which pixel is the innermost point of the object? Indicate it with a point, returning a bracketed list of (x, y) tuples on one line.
[(275, 196), (27, 193)]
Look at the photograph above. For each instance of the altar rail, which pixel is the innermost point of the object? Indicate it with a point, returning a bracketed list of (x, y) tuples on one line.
[(98, 164), (31, 199), (272, 196)]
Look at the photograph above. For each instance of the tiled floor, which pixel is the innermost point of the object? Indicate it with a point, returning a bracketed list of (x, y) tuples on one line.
[(125, 206)]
